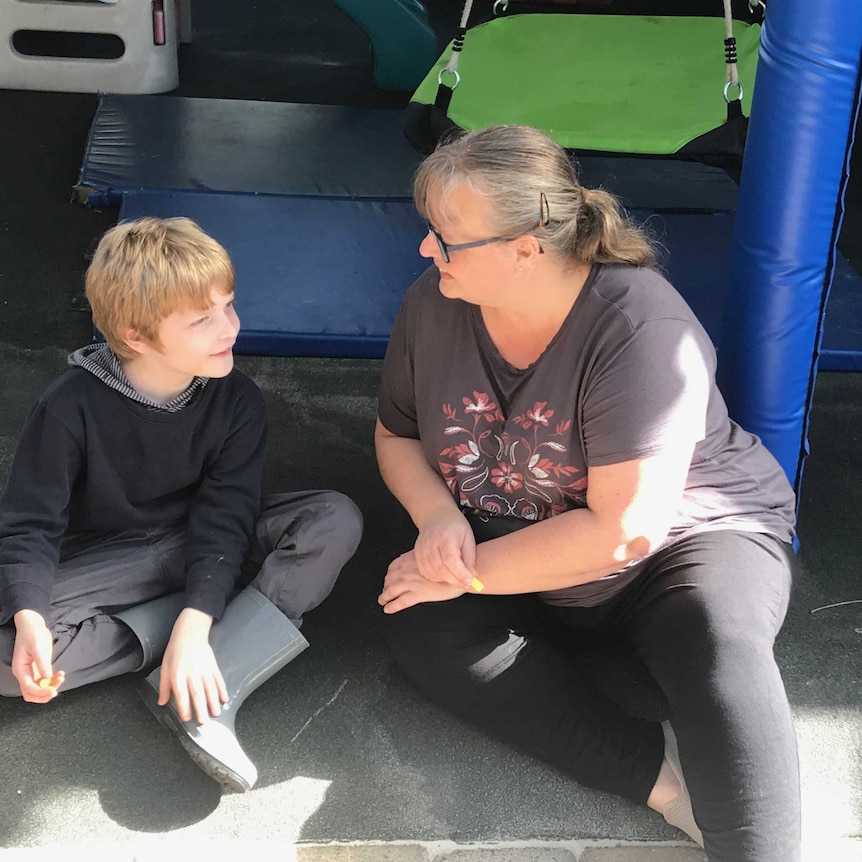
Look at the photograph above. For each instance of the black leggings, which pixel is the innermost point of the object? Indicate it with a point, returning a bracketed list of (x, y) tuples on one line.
[(701, 617)]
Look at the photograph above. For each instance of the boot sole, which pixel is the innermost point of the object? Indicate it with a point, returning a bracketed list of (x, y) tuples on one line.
[(214, 768)]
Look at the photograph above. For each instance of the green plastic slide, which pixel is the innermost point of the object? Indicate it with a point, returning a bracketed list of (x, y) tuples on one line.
[(403, 45), (614, 83)]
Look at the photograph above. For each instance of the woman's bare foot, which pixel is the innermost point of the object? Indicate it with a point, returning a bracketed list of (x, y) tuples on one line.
[(667, 788), (669, 795)]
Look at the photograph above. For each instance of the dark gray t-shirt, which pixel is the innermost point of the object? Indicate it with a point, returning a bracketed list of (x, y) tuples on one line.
[(629, 374)]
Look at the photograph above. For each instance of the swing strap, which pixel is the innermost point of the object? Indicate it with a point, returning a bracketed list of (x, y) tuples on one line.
[(444, 91), (734, 105)]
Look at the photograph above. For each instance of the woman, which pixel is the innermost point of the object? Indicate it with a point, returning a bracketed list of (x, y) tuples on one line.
[(549, 419)]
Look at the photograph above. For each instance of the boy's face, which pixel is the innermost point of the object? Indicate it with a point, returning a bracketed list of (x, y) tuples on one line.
[(196, 343)]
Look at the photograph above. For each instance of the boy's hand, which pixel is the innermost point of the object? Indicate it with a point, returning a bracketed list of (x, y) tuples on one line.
[(31, 658), (189, 669)]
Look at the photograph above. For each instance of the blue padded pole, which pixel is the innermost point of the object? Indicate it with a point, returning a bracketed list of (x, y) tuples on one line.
[(789, 214)]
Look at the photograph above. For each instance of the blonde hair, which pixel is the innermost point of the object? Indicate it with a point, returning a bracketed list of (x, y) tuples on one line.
[(146, 269), (528, 179)]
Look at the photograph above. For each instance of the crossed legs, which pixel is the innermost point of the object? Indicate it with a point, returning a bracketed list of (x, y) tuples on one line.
[(702, 617)]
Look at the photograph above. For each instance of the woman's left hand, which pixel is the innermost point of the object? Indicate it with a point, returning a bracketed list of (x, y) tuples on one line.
[(404, 587)]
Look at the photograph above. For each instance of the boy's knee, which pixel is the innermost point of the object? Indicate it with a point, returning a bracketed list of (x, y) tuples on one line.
[(326, 518), (344, 517), (329, 524)]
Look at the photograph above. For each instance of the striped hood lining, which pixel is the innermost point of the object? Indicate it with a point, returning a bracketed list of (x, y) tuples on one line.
[(103, 363)]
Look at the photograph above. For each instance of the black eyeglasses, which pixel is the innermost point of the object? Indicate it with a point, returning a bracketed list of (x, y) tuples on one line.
[(445, 248)]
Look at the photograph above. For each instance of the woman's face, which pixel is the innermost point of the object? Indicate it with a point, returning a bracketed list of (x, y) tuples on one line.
[(478, 275)]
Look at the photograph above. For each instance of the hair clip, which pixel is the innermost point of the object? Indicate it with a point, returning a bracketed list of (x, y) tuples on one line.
[(544, 210)]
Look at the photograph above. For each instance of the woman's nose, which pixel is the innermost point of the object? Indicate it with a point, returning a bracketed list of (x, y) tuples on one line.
[(428, 246)]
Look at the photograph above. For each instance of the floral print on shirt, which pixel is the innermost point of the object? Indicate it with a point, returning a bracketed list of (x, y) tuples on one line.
[(489, 468)]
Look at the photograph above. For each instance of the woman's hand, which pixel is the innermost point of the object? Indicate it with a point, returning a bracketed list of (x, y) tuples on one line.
[(404, 586), (190, 671), (445, 551)]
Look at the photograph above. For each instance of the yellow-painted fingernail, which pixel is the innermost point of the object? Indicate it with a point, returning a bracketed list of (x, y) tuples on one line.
[(477, 585)]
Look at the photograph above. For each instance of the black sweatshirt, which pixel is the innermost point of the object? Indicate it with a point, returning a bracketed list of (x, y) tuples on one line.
[(91, 460)]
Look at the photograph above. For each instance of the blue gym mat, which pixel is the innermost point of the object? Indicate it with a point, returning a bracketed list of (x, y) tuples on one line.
[(223, 145), (312, 202), (276, 148), (325, 276)]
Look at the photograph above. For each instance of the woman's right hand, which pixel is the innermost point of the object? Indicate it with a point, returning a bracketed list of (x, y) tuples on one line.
[(445, 551)]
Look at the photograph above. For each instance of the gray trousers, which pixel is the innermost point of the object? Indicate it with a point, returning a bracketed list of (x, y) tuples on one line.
[(300, 544)]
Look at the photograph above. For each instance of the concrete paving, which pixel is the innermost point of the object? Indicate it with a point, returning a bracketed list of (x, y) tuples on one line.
[(442, 851), (348, 751), (401, 851)]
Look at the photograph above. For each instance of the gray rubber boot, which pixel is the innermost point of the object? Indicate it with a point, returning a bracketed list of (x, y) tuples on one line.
[(252, 641), (152, 623)]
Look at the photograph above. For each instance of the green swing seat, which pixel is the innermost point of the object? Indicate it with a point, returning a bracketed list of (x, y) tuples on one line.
[(609, 83)]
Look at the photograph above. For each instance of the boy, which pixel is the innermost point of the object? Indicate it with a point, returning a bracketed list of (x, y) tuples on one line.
[(132, 512)]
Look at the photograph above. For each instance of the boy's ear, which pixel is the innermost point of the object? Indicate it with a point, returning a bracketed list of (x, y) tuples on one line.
[(135, 341)]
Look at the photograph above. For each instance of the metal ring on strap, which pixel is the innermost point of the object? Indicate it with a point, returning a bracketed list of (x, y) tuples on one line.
[(727, 87), (500, 6), (453, 72)]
